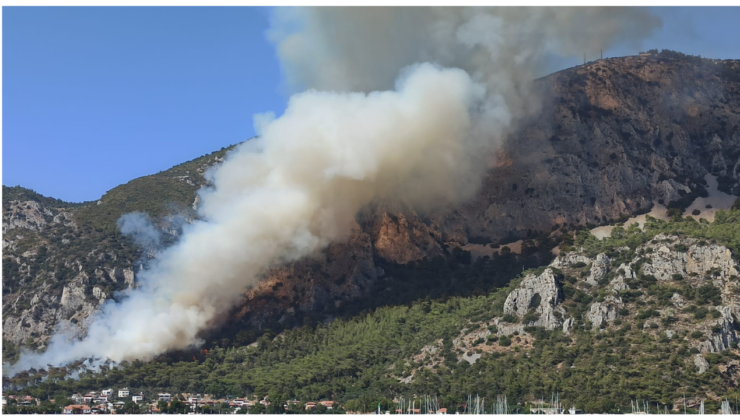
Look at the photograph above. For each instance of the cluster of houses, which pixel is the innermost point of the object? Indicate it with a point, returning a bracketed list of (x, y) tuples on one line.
[(105, 402), (99, 402), (27, 400)]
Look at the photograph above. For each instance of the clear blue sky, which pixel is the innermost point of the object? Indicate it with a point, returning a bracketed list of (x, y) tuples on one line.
[(94, 97)]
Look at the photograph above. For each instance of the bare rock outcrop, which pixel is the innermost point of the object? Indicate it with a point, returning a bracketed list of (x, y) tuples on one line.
[(683, 263), (669, 190), (570, 259), (605, 312), (49, 309), (25, 214), (700, 363), (629, 273), (540, 294), (711, 258), (671, 256), (568, 325), (599, 269), (666, 262), (624, 272), (124, 276), (617, 284), (723, 333), (402, 237)]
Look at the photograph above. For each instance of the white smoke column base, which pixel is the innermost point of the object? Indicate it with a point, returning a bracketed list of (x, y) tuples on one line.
[(286, 196)]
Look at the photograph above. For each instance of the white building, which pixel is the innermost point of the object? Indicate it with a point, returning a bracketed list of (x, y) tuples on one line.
[(164, 396), (106, 392), (101, 398), (137, 398), (123, 393)]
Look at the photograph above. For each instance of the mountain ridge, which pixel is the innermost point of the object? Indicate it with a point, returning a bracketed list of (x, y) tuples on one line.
[(614, 135)]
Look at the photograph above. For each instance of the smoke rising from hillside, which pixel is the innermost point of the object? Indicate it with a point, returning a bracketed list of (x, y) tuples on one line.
[(140, 228), (362, 48), (423, 138), (288, 195)]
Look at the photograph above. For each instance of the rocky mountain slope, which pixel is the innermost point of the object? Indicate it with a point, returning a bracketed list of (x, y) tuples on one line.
[(613, 136), (645, 314), (670, 286), (61, 260)]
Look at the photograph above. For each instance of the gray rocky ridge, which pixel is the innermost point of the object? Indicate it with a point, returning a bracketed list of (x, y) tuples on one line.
[(540, 294), (669, 259)]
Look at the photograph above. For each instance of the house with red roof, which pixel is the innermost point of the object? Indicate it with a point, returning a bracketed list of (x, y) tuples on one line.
[(77, 409)]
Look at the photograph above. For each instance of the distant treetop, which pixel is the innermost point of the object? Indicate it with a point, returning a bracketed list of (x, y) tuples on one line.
[(24, 194)]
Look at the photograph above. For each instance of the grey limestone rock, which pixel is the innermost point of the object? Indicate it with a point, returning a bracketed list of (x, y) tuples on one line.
[(541, 294)]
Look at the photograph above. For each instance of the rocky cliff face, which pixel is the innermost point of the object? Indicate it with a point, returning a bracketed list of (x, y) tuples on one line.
[(44, 286), (676, 289), (539, 296), (613, 136), (667, 263), (342, 273)]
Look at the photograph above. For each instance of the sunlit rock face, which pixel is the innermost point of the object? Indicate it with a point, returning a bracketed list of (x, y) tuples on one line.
[(539, 294), (612, 137)]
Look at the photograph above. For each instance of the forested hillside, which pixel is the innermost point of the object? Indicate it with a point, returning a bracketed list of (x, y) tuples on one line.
[(644, 314)]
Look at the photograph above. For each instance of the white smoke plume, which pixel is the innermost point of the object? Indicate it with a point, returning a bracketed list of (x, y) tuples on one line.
[(421, 135), (287, 195), (362, 48), (138, 226)]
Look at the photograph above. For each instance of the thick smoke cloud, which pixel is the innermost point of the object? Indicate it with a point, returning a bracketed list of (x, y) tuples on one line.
[(362, 48), (285, 196), (421, 133)]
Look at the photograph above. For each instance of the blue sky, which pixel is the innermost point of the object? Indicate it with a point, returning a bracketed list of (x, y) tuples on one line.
[(94, 97)]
